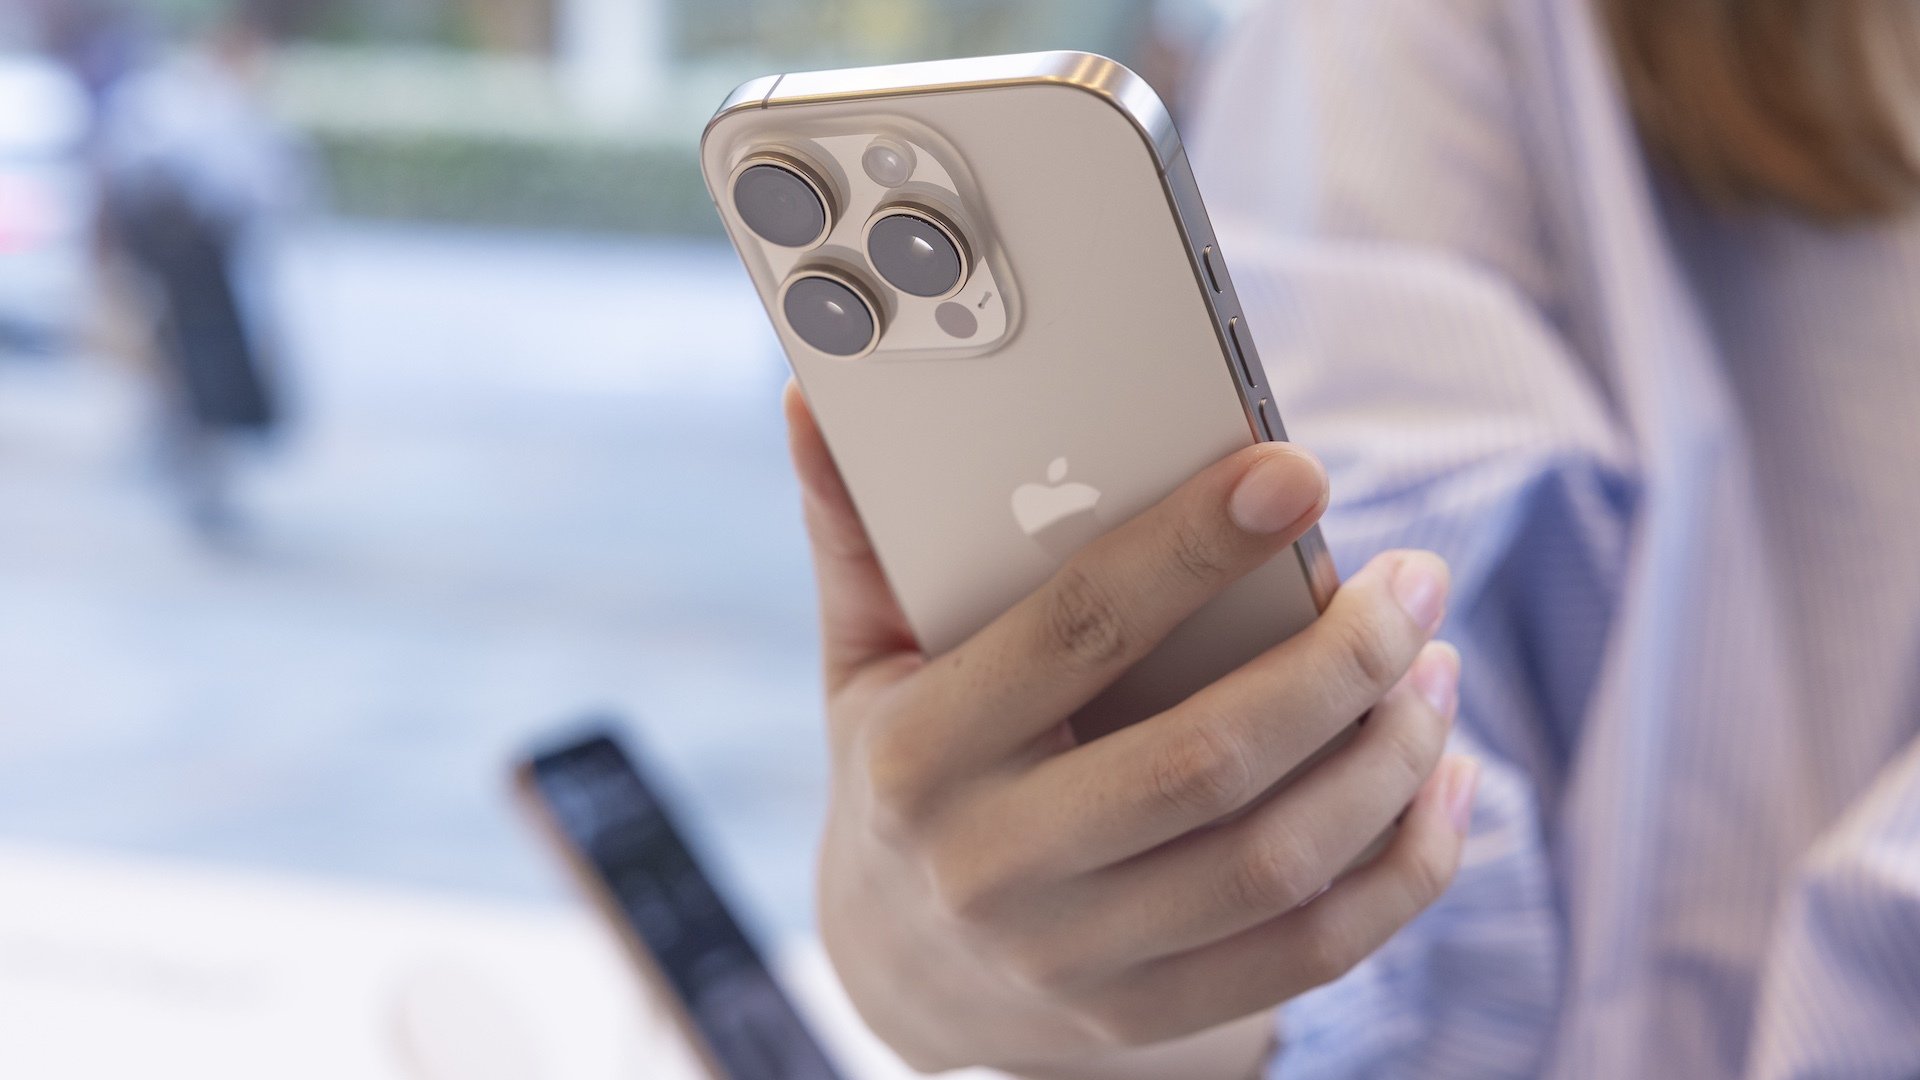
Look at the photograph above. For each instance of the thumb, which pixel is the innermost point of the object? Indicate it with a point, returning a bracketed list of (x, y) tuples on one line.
[(860, 621)]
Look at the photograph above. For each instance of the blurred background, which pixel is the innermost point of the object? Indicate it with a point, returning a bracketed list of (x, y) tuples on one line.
[(377, 393)]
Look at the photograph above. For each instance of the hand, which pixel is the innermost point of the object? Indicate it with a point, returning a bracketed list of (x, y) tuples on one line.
[(993, 893)]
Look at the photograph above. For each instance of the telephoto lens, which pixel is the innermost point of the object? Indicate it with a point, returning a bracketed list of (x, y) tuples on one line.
[(782, 203), (917, 252), (830, 315)]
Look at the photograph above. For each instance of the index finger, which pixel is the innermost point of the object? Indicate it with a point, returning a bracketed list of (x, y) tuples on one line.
[(860, 620)]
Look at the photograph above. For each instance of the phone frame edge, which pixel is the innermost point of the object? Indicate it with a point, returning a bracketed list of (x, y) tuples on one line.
[(1092, 73), (1223, 303)]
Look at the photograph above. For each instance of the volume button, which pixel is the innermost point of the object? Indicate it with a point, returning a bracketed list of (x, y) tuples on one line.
[(1210, 259), (1270, 419), (1237, 333)]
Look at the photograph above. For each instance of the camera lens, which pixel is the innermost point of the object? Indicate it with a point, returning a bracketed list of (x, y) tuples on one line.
[(781, 203), (917, 253), (830, 316)]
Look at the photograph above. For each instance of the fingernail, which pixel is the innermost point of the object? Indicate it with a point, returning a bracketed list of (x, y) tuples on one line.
[(1279, 490), (1420, 585), (1437, 677), (1462, 782)]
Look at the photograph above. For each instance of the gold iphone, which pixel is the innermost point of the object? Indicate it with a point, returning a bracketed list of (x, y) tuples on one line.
[(1000, 294)]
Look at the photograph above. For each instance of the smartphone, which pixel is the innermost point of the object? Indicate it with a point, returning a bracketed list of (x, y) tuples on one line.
[(1001, 296), (636, 865)]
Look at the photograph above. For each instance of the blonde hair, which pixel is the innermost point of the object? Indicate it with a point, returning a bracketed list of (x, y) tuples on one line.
[(1785, 103)]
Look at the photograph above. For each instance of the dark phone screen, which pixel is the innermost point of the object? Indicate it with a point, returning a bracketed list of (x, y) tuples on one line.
[(611, 815)]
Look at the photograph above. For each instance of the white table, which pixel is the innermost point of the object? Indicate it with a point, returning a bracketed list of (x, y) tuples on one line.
[(118, 967)]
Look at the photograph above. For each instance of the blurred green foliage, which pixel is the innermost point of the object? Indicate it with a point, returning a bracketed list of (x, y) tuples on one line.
[(563, 184), (452, 110)]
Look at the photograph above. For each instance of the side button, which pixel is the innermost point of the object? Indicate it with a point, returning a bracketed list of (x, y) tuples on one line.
[(1270, 419), (1239, 335), (1243, 344), (1212, 260)]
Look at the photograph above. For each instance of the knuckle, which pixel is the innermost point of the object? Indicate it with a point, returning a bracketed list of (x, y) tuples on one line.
[(1044, 970), (1083, 621), (1202, 771), (1329, 953), (1427, 874), (1273, 875), (898, 784), (1121, 1022), (967, 892), (1412, 748), (894, 824), (1366, 652), (961, 898), (1195, 553)]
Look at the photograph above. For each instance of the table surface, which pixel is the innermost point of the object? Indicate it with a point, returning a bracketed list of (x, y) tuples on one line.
[(120, 966)]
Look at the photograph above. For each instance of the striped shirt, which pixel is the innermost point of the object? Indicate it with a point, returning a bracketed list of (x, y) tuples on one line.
[(1674, 459)]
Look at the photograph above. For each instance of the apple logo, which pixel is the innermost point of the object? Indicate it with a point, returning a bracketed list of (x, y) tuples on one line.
[(1057, 515)]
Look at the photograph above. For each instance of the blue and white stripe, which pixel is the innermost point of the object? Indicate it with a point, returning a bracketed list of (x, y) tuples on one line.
[(1675, 462)]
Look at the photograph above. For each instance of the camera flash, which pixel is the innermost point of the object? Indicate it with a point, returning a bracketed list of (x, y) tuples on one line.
[(889, 164)]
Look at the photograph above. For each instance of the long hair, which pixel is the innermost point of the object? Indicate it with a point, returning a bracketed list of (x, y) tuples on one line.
[(1781, 103)]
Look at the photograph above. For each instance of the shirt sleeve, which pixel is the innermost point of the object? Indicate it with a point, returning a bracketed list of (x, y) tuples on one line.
[(1452, 419), (1841, 991), (1365, 165)]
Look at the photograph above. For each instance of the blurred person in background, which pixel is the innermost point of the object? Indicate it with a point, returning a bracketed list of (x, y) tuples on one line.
[(192, 171), (1613, 304), (100, 41)]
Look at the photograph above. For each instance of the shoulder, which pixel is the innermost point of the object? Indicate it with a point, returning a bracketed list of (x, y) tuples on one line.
[(1406, 67), (1385, 121)]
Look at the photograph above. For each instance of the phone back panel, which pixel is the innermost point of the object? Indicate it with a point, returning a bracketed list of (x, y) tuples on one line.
[(1114, 358)]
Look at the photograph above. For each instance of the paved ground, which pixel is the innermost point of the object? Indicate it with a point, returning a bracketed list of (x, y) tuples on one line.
[(533, 476)]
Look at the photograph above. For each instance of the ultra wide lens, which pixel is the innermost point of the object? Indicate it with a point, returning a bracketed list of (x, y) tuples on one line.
[(829, 316), (916, 253), (780, 205)]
